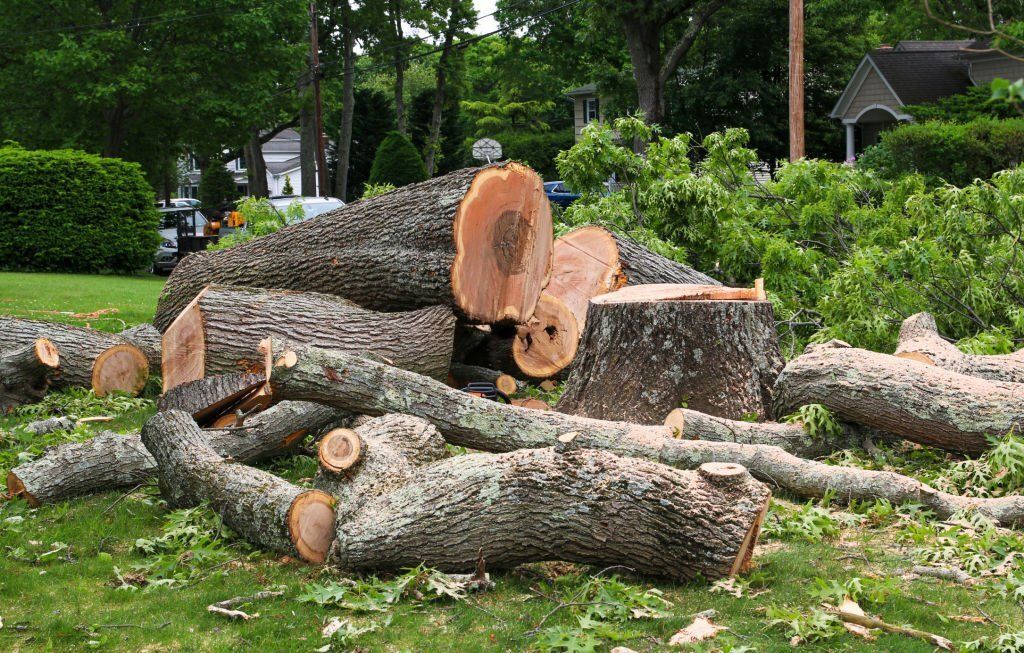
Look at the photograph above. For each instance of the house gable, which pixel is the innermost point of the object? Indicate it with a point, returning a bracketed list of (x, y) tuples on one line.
[(867, 88)]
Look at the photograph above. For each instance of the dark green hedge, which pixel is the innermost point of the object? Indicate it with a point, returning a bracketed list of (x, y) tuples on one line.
[(71, 211), (398, 162), (956, 153), (536, 149)]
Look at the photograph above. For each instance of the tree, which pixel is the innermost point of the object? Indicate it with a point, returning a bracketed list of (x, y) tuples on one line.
[(217, 186), (457, 17), (450, 152), (372, 120), (397, 162)]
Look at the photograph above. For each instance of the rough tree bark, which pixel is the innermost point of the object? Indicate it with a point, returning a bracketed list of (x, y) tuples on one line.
[(26, 373), (92, 359), (477, 239), (920, 341), (211, 397), (649, 349), (261, 507), (353, 384), (114, 460), (220, 332), (147, 339), (256, 165), (348, 99), (919, 402)]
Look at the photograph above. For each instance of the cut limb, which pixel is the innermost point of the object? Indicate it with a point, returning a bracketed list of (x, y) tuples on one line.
[(102, 362), (147, 339), (920, 341), (261, 507), (465, 374), (219, 332), (649, 349), (547, 342), (212, 397), (578, 505), (113, 460), (26, 373), (352, 383), (919, 402), (478, 240)]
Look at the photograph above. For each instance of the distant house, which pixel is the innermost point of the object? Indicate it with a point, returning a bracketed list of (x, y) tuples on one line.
[(281, 154), (913, 72), (587, 107)]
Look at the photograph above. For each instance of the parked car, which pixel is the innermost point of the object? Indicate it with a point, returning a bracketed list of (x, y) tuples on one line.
[(179, 203), (311, 206), (558, 193), (174, 221)]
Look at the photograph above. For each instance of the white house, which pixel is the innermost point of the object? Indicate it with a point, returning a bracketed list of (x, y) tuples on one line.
[(281, 154), (587, 107)]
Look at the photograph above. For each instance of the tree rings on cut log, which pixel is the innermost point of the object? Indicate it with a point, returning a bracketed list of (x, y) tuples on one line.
[(547, 343), (531, 403), (340, 449), (661, 292), (311, 524), (503, 241), (584, 264), (122, 368)]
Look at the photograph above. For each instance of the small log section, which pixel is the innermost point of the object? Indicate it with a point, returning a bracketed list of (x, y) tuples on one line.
[(209, 398), (465, 374), (26, 373), (219, 332), (478, 240), (920, 341), (113, 460), (919, 402), (102, 362), (352, 383), (585, 263), (649, 349), (261, 507), (147, 339)]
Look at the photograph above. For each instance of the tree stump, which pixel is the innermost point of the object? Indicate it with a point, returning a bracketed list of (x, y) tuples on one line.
[(920, 341), (649, 349), (478, 240), (219, 332), (26, 373)]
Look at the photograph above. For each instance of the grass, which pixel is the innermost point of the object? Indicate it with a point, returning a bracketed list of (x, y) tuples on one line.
[(70, 600)]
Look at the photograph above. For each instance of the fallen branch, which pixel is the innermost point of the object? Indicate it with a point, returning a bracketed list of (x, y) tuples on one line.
[(226, 607), (920, 341), (872, 622)]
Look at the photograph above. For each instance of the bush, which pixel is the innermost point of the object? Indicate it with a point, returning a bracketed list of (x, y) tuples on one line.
[(70, 211), (397, 162), (217, 187), (957, 153), (536, 149)]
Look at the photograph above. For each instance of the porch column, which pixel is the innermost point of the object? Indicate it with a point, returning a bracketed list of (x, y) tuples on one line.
[(850, 151)]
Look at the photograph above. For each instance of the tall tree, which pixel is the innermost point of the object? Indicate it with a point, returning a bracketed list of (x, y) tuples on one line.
[(458, 17), (347, 28)]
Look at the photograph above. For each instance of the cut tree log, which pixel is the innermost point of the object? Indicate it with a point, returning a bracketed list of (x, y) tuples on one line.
[(919, 402), (114, 460), (219, 332), (546, 344), (589, 507), (478, 240), (209, 398), (352, 383), (102, 362), (261, 507), (920, 341), (26, 373), (147, 339), (465, 374), (649, 349)]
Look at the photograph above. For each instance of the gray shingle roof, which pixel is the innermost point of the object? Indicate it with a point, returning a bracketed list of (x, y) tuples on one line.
[(922, 76), (931, 46)]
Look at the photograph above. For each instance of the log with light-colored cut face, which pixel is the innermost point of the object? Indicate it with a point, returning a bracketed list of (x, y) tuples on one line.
[(584, 264), (339, 450), (547, 343), (26, 373), (920, 341)]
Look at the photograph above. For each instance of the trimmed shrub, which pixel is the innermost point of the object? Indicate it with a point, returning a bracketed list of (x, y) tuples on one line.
[(69, 211), (398, 162), (217, 187), (957, 153), (536, 149)]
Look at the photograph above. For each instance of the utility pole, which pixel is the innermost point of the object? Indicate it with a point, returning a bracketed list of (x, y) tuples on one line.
[(796, 79), (318, 111)]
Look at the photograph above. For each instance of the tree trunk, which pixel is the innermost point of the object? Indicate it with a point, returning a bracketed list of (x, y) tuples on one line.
[(208, 398), (920, 341), (102, 362), (478, 240), (114, 460), (353, 384), (147, 339), (221, 330), (259, 506), (649, 349), (644, 43), (400, 49), (434, 132), (256, 166), (307, 146), (26, 373), (348, 100), (922, 403)]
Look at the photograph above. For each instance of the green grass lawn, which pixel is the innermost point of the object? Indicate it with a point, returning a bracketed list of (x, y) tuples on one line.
[(67, 570)]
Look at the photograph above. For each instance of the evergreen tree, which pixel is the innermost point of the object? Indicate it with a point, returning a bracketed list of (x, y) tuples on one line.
[(398, 162), (217, 186)]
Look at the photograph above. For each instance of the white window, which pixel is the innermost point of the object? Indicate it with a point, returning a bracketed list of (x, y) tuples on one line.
[(591, 110), (240, 162)]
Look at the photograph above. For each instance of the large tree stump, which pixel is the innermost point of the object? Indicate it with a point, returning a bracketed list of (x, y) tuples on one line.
[(920, 341), (147, 339), (115, 460), (585, 263), (102, 362), (649, 349), (922, 403), (259, 506), (26, 373), (220, 332), (478, 240)]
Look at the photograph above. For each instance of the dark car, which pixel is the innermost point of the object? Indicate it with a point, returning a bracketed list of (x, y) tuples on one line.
[(558, 193)]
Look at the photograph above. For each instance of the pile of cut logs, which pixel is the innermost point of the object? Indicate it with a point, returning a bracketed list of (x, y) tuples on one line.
[(359, 327)]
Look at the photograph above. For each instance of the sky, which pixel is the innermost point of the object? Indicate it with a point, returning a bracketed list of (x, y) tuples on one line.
[(484, 7)]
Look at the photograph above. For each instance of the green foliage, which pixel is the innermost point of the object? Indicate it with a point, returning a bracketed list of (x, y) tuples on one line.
[(536, 149), (815, 626), (452, 152), (810, 522), (217, 187), (373, 190), (970, 542), (79, 402), (287, 189), (421, 584), (397, 162), (870, 591), (1004, 643), (974, 103), (817, 421), (261, 218), (75, 212)]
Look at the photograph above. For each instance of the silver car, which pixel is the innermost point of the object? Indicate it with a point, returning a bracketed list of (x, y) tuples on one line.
[(168, 256)]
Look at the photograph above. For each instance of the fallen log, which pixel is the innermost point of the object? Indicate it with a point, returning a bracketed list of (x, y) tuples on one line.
[(352, 383), (114, 460), (147, 339), (102, 362), (478, 240), (466, 374), (546, 344), (209, 398), (26, 373), (649, 349), (922, 403), (219, 332), (920, 341)]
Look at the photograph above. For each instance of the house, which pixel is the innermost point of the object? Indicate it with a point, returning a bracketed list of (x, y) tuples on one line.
[(281, 154), (587, 107), (913, 72)]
